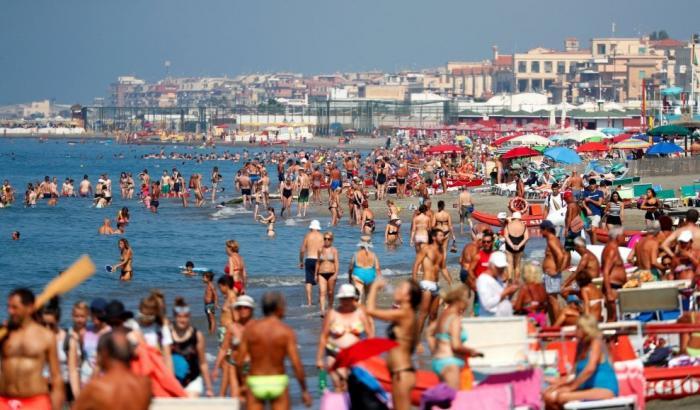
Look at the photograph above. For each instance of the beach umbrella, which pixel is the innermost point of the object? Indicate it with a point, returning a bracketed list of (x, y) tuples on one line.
[(611, 131), (620, 138), (531, 139), (539, 148), (669, 130), (592, 147), (671, 91), (502, 140), (520, 152), (582, 135), (463, 138), (664, 148), (632, 143), (563, 155), (362, 350), (443, 149)]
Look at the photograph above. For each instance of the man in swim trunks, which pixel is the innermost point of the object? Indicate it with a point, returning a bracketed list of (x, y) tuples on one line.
[(401, 175), (304, 188), (268, 342), (85, 188), (45, 188), (308, 256), (106, 228), (556, 259), (466, 207), (645, 254), (431, 260), (336, 181), (588, 265), (245, 185), (211, 300), (117, 387), (614, 274), (25, 352), (470, 252)]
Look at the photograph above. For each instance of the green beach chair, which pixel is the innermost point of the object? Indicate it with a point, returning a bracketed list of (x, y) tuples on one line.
[(640, 189)]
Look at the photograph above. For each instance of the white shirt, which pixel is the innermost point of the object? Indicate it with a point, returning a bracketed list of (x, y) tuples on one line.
[(157, 336), (490, 290)]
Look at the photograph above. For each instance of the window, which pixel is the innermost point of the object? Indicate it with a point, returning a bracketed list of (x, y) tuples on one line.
[(561, 67), (535, 67), (536, 85), (548, 84), (522, 67), (642, 50), (600, 48), (642, 74), (547, 66), (522, 86)]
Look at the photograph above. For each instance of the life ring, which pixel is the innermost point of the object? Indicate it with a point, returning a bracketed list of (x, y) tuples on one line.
[(518, 204)]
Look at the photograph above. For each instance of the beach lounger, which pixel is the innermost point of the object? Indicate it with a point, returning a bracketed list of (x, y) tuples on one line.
[(640, 300), (618, 403), (668, 197), (503, 340), (194, 404), (640, 189)]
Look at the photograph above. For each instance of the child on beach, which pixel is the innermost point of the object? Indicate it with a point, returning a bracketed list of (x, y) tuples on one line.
[(211, 300)]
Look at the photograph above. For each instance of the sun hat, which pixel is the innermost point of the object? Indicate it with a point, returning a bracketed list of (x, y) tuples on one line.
[(315, 225), (244, 301), (365, 242), (685, 236), (498, 259), (346, 291)]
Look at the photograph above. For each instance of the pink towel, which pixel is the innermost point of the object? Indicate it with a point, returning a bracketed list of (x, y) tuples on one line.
[(335, 401), (630, 379), (496, 397), (526, 384)]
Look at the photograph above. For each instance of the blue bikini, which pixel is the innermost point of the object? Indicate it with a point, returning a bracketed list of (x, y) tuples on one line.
[(439, 363)]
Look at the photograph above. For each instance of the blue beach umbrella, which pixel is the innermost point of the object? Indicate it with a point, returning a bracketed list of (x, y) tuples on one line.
[(563, 155), (612, 131), (664, 148)]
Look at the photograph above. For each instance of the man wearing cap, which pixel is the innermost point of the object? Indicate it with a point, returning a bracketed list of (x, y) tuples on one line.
[(556, 260), (687, 260), (494, 295), (645, 254), (26, 350), (308, 256), (691, 220)]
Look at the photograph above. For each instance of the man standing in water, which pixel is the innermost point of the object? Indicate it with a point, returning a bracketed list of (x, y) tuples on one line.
[(268, 342), (245, 186), (24, 353), (85, 188), (304, 186), (431, 260), (614, 275), (308, 256), (106, 228), (117, 387), (556, 259)]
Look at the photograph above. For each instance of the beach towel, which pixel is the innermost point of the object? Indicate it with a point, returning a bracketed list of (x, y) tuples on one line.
[(630, 380), (526, 386), (496, 397)]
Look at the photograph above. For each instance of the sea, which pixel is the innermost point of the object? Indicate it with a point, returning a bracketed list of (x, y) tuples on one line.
[(53, 237)]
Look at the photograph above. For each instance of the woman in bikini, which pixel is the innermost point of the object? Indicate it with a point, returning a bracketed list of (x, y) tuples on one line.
[(327, 271), (419, 228), (403, 328), (652, 207), (343, 327), (269, 220), (443, 221), (334, 206), (592, 297), (236, 267), (243, 313), (532, 299), (364, 266), (392, 236), (367, 219), (124, 264), (516, 237), (446, 337)]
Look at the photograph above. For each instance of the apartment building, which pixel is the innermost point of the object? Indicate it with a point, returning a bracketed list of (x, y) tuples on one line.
[(539, 69)]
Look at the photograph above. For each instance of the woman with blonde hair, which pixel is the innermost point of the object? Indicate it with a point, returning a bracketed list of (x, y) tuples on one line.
[(595, 377), (446, 337), (532, 299), (236, 267)]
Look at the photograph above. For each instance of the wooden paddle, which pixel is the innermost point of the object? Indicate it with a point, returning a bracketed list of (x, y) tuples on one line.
[(76, 274)]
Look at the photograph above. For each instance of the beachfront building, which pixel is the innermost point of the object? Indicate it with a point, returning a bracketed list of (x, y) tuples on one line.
[(539, 69), (481, 79)]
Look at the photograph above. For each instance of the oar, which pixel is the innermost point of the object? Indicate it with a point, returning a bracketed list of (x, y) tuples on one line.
[(76, 274)]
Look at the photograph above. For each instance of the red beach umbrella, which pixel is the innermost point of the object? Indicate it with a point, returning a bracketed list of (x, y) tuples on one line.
[(520, 152), (443, 149), (363, 350), (592, 147)]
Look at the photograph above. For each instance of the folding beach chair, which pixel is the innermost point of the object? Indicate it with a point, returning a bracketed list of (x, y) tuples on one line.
[(639, 300)]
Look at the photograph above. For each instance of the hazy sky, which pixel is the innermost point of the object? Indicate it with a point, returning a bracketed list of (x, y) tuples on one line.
[(71, 50)]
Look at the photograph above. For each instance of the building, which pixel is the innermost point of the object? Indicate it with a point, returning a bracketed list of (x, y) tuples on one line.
[(124, 86), (42, 109), (481, 79), (383, 92), (539, 69)]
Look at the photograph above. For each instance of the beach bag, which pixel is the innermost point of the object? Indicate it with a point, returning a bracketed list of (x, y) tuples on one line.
[(576, 224)]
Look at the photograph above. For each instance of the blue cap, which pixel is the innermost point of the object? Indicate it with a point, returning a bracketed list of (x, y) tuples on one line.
[(98, 305)]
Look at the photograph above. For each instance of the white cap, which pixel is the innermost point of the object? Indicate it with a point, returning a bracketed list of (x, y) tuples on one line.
[(516, 215), (502, 215), (244, 301), (346, 291), (315, 225), (685, 236), (498, 259)]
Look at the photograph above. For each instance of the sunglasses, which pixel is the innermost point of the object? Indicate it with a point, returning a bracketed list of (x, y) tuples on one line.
[(327, 239)]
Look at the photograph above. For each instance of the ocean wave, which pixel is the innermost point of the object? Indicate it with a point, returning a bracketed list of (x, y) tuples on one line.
[(229, 212), (394, 272), (275, 281)]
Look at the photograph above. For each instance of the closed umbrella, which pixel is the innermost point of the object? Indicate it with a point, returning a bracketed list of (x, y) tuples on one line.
[(664, 148), (563, 155), (592, 147)]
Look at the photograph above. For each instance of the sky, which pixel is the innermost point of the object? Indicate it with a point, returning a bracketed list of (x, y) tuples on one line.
[(71, 50)]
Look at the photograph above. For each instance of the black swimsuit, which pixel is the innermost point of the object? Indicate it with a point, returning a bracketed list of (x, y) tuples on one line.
[(287, 193)]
